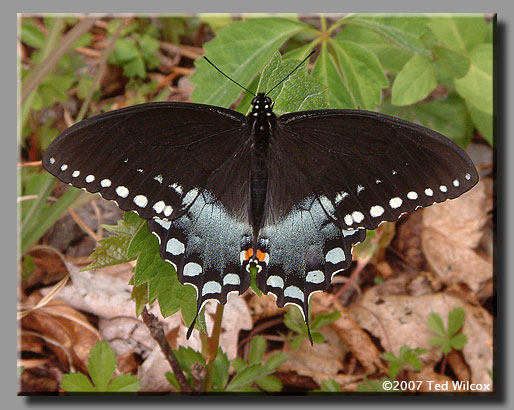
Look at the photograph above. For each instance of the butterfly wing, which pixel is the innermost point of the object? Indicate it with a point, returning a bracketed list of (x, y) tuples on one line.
[(183, 167), (334, 174), (151, 158)]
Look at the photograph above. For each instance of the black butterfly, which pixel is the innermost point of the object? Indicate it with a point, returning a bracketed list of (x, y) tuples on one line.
[(291, 194)]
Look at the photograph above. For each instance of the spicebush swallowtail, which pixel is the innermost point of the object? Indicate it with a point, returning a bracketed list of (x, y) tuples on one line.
[(292, 194)]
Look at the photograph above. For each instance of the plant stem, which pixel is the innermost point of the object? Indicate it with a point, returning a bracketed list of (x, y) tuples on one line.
[(212, 346), (157, 332), (443, 364)]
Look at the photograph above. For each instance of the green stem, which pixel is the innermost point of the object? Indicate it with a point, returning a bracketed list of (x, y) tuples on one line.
[(323, 23), (213, 344)]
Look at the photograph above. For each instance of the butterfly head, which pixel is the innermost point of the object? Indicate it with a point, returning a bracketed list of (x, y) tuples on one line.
[(262, 106)]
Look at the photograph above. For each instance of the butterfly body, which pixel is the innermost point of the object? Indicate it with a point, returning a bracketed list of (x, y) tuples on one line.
[(291, 194)]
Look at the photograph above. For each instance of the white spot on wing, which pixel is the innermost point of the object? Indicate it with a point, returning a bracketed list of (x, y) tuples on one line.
[(141, 201), (192, 269), (412, 195), (105, 183), (175, 247), (360, 188), (456, 183), (159, 206), (75, 174), (64, 167), (211, 287), (168, 210), (443, 188), (348, 220), (90, 178), (158, 178), (340, 196), (275, 281), (395, 202), (467, 176), (429, 192), (357, 216), (376, 211), (335, 256), (231, 279), (122, 191), (52, 160), (315, 276), (293, 292)]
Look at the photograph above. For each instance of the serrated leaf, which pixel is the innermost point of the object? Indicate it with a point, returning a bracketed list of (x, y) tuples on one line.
[(173, 380), (76, 382), (436, 325), (201, 325), (124, 383), (462, 33), (455, 320), (362, 73), (323, 319), (476, 87), (369, 386), (124, 51), (294, 321), (246, 377), (257, 349), (394, 368), (101, 365), (458, 341), (135, 68), (270, 384), (139, 295), (298, 93), (238, 364), (252, 43), (110, 251), (325, 70), (414, 82), (275, 360), (221, 368)]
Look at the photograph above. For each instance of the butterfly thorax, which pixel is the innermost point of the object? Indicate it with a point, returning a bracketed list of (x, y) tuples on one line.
[(262, 121)]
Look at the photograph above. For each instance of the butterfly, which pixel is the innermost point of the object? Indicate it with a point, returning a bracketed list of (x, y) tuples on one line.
[(291, 195)]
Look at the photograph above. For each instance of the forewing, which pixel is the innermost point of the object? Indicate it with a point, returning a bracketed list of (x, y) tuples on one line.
[(371, 167), (152, 158)]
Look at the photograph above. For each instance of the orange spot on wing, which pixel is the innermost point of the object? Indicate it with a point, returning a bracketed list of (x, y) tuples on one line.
[(249, 254), (261, 255)]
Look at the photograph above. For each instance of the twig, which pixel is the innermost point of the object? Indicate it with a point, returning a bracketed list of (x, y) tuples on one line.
[(212, 346), (30, 164), (157, 332), (358, 269), (80, 222)]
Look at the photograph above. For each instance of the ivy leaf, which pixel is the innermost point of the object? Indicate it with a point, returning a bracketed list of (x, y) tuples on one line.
[(298, 93), (325, 70), (362, 72), (414, 82), (252, 43)]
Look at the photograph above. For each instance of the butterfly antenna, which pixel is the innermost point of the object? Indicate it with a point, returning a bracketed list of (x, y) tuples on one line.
[(296, 68), (234, 81)]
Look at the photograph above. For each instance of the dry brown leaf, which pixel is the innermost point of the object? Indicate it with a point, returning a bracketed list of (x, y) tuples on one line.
[(262, 307), (404, 318), (451, 231), (68, 332), (429, 379)]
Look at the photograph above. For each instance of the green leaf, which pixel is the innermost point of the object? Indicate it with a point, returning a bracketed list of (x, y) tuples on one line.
[(246, 377), (455, 320), (298, 93), (293, 319), (270, 384), (32, 36), (483, 122), (476, 87), (216, 21), (84, 40), (456, 63), (369, 386), (458, 32), (101, 365), (275, 360), (330, 386), (317, 337), (436, 325), (257, 349), (458, 341), (325, 70), (172, 380), (221, 368), (27, 267), (394, 368), (124, 51), (298, 53), (323, 319), (362, 72), (124, 383), (83, 86), (135, 68), (252, 43), (404, 32), (76, 382), (414, 82)]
